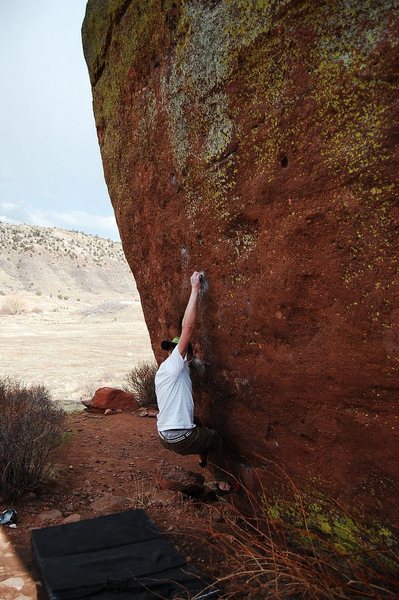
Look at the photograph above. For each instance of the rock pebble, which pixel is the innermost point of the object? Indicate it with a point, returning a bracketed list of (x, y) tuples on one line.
[(179, 480), (72, 518), (147, 412), (108, 502), (164, 498), (50, 515)]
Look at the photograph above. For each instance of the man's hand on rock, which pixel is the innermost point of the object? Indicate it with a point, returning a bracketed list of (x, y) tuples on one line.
[(196, 281)]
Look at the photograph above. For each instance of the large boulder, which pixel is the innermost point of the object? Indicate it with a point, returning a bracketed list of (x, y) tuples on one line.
[(107, 398), (257, 141)]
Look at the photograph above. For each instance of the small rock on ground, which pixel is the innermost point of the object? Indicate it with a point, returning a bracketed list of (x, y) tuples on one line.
[(50, 515), (72, 518)]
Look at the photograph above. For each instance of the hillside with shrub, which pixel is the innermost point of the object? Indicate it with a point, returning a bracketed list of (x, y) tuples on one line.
[(67, 264), (70, 313)]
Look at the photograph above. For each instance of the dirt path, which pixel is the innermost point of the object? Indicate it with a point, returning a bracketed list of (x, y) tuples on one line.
[(110, 463)]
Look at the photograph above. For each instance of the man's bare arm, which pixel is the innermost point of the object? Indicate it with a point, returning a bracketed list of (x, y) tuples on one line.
[(190, 314)]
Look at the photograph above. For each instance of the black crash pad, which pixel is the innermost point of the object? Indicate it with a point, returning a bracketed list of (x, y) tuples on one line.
[(115, 557)]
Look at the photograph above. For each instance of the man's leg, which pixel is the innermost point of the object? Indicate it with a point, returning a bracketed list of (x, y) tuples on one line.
[(201, 441), (203, 456), (203, 459)]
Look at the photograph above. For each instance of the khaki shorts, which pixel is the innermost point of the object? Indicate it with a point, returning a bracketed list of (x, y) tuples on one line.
[(200, 441)]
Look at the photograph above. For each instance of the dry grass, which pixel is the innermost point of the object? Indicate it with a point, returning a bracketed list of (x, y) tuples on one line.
[(141, 497), (295, 556), (260, 565)]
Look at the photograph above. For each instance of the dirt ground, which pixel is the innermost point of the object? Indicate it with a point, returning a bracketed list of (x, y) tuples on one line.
[(112, 463)]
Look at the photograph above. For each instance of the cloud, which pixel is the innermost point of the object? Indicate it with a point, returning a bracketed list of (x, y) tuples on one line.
[(20, 212), (4, 219), (9, 205), (50, 165)]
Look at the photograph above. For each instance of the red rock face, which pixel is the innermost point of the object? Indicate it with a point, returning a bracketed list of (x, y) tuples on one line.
[(259, 144)]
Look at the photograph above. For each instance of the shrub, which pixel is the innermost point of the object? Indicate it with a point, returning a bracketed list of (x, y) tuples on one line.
[(31, 427), (140, 382), (13, 305)]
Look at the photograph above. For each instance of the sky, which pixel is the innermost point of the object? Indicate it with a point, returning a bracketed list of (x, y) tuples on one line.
[(50, 166)]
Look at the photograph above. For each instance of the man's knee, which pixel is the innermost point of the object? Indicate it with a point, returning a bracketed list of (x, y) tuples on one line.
[(215, 441), (219, 441)]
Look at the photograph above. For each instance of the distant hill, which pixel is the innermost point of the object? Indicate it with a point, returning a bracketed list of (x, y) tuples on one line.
[(55, 262)]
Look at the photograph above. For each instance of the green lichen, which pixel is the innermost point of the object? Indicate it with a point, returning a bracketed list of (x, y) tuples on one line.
[(319, 520), (197, 108), (149, 116), (200, 117), (248, 20), (354, 120), (220, 127), (200, 66)]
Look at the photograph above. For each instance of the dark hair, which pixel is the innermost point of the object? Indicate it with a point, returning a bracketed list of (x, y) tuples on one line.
[(167, 345)]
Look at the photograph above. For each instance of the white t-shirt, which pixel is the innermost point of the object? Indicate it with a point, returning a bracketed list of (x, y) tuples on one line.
[(174, 394)]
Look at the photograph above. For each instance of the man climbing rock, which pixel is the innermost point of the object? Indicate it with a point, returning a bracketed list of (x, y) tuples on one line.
[(176, 427)]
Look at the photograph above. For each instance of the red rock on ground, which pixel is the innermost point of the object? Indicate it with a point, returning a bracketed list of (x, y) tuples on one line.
[(152, 412), (180, 480), (113, 399), (147, 412)]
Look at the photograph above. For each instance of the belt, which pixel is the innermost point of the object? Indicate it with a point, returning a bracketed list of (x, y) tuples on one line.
[(177, 439)]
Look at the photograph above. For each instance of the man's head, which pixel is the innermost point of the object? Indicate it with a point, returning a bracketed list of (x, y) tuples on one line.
[(169, 346)]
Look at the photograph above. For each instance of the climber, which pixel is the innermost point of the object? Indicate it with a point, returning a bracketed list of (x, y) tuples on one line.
[(177, 429)]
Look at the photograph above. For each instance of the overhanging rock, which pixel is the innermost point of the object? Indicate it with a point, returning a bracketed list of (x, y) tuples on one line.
[(257, 141)]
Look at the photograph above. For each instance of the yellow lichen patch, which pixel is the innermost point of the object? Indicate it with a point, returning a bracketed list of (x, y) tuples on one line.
[(328, 525)]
